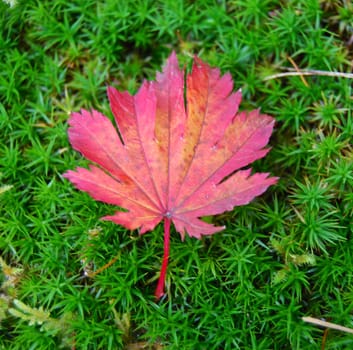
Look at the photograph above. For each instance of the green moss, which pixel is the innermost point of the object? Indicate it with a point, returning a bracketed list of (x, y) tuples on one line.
[(286, 255)]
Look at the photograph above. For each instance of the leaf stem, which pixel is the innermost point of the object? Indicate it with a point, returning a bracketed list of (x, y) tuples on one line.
[(160, 286)]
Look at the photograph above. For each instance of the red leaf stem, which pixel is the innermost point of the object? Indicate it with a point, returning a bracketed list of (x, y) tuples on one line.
[(160, 286)]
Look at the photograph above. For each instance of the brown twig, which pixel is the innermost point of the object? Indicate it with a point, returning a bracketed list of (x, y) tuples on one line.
[(104, 267), (327, 324), (290, 59), (310, 72)]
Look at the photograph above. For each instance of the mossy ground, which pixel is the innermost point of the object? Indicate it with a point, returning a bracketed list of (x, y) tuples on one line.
[(286, 255)]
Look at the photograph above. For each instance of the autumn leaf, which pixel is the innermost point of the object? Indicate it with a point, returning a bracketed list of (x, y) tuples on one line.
[(178, 154)]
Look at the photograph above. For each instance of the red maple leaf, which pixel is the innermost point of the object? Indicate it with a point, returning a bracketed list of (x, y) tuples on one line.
[(177, 156)]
